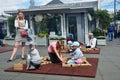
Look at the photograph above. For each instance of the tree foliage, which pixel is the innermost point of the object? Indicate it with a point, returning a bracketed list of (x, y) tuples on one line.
[(11, 24), (118, 15), (104, 18)]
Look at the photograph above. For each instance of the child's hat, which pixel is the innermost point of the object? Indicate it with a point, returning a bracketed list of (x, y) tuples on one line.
[(76, 43), (91, 34), (32, 43), (69, 42)]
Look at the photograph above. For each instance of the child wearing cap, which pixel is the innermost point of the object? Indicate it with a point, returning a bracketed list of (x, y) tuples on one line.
[(69, 45), (76, 55), (33, 57)]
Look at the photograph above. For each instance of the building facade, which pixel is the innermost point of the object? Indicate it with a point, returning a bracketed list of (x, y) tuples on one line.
[(75, 18)]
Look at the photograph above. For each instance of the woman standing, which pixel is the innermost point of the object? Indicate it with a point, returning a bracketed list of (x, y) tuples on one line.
[(21, 25)]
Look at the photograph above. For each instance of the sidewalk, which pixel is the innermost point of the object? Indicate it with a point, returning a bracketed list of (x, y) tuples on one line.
[(108, 66)]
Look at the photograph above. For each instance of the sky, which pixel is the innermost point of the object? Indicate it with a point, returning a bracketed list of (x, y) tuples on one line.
[(23, 4)]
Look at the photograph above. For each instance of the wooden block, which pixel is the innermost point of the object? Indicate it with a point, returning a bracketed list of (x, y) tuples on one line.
[(42, 60), (49, 62), (85, 63), (83, 58), (66, 65), (48, 58), (43, 63), (22, 62), (5, 44), (66, 46), (63, 51), (46, 62), (45, 58), (42, 57), (66, 59), (89, 49), (75, 65), (18, 66), (83, 48), (96, 48)]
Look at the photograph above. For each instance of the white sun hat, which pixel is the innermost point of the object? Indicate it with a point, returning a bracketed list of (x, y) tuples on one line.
[(32, 43), (76, 43)]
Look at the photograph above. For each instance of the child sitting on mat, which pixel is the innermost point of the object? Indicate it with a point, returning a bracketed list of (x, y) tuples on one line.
[(33, 57), (76, 55)]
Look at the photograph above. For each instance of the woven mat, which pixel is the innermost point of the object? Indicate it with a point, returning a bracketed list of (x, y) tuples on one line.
[(93, 51), (2, 50), (57, 69)]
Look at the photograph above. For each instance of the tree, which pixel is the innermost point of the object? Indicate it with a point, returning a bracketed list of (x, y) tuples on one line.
[(11, 24), (104, 18), (118, 15), (42, 26)]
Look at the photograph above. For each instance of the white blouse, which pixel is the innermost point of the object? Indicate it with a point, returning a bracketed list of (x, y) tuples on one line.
[(21, 23)]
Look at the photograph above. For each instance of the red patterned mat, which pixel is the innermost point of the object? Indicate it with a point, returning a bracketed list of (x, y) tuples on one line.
[(5, 50), (57, 69)]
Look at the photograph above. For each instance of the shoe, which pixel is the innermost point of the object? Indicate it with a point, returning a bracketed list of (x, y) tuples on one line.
[(9, 60), (31, 68), (23, 58)]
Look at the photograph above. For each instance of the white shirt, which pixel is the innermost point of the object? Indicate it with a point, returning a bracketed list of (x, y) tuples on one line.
[(21, 23), (77, 54), (92, 42), (33, 56)]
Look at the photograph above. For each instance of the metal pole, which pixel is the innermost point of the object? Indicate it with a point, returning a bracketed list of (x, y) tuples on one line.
[(114, 12)]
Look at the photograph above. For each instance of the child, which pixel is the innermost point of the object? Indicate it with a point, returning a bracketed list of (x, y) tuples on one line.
[(76, 55), (33, 57), (69, 43)]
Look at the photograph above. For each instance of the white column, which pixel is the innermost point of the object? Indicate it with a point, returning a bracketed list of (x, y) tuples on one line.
[(64, 25), (31, 24), (63, 28), (86, 28), (34, 38), (97, 23)]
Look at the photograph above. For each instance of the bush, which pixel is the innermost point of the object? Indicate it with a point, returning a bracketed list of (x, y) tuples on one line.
[(57, 38), (8, 38), (96, 32), (43, 34), (101, 37)]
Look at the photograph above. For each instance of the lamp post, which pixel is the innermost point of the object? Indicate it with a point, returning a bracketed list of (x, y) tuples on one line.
[(114, 12)]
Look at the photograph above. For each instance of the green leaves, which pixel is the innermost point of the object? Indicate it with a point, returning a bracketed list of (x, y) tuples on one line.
[(11, 24), (104, 18), (118, 15)]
